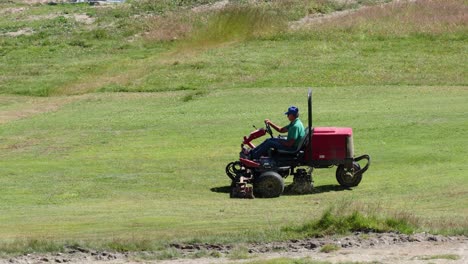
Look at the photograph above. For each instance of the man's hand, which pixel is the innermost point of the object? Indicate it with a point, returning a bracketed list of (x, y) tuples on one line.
[(277, 128)]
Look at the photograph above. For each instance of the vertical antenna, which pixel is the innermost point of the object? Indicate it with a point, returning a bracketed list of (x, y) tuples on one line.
[(309, 104)]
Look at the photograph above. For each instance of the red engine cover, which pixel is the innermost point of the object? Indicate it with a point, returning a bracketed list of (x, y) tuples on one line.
[(331, 143)]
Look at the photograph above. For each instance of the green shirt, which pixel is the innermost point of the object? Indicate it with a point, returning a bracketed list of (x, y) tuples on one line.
[(295, 131)]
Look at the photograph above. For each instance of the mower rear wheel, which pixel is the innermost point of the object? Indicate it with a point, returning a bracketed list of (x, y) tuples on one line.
[(348, 178), (269, 185)]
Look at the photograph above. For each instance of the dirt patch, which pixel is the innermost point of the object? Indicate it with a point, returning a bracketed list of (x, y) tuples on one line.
[(80, 18), (18, 107), (21, 32), (24, 107), (359, 247), (357, 244), (314, 19), (83, 18), (211, 7), (32, 2), (12, 10)]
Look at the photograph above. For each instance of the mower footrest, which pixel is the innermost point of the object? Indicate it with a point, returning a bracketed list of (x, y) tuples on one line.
[(289, 153)]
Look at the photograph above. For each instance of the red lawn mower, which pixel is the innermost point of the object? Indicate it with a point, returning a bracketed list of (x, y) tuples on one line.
[(321, 147)]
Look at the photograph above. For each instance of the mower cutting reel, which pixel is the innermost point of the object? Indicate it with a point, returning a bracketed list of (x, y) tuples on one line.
[(321, 147), (242, 189)]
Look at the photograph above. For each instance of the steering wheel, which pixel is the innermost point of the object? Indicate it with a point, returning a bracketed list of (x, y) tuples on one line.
[(268, 129)]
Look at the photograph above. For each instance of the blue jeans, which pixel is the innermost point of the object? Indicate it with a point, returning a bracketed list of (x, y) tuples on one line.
[(262, 149)]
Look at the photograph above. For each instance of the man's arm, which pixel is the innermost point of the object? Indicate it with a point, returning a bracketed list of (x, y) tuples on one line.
[(287, 143), (276, 127)]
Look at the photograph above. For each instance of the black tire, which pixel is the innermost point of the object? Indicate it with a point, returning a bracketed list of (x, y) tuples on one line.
[(348, 179), (269, 185), (232, 191)]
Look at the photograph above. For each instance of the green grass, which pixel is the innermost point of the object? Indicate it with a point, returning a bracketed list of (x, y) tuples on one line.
[(28, 246), (239, 252), (337, 222), (250, 47), (261, 63), (288, 261), (133, 167), (329, 248), (92, 166), (445, 256), (300, 261)]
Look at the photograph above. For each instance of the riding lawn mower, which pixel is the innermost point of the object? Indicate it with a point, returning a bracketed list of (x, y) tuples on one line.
[(321, 147)]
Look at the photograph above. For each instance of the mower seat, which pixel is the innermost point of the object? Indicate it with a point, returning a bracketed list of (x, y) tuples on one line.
[(300, 147)]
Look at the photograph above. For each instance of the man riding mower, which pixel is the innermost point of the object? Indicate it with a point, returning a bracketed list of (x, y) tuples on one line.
[(295, 131), (260, 171)]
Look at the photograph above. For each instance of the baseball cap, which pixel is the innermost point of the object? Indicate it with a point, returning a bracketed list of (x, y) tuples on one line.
[(292, 110)]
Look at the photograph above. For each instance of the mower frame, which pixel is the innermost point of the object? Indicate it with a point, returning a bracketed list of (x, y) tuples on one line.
[(321, 147)]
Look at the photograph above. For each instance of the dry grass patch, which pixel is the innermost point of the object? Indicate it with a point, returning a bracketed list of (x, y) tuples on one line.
[(173, 26), (399, 18), (219, 24), (447, 226)]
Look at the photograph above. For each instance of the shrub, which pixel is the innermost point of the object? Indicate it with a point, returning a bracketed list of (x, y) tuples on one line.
[(332, 222), (237, 23), (329, 248), (239, 252)]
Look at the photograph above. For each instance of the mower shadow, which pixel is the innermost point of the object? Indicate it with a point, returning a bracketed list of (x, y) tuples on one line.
[(317, 189), (221, 189)]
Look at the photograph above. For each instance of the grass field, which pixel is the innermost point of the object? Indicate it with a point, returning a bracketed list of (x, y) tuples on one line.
[(106, 139)]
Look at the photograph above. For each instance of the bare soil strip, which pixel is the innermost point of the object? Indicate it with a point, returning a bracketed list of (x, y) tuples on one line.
[(359, 247), (24, 107)]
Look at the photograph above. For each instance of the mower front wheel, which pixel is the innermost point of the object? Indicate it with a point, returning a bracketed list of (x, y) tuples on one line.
[(348, 178), (269, 185)]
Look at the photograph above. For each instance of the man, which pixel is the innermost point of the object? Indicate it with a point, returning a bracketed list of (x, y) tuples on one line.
[(295, 131)]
